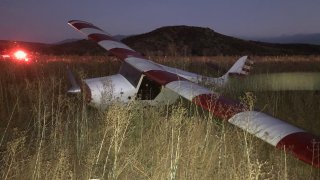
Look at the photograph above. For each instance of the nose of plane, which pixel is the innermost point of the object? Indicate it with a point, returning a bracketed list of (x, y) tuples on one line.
[(106, 90)]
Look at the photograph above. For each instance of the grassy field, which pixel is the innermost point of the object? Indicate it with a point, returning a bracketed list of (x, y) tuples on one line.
[(46, 134)]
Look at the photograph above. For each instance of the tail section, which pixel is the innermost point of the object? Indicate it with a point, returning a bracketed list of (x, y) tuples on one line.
[(240, 68)]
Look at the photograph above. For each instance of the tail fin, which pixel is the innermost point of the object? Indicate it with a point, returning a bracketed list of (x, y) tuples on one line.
[(241, 67)]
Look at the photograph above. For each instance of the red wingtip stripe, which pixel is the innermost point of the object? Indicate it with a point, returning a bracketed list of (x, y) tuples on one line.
[(218, 105), (304, 146), (163, 77), (81, 25)]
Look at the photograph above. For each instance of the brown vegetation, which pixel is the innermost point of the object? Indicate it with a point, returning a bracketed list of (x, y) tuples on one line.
[(47, 135)]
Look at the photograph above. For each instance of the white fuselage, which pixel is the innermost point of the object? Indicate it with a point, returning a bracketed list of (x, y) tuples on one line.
[(125, 87), (132, 84)]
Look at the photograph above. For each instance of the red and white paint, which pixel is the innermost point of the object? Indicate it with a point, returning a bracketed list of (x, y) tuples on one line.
[(280, 134)]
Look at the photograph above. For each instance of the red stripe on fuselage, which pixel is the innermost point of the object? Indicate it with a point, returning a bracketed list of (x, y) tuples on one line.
[(218, 105), (304, 146), (163, 77)]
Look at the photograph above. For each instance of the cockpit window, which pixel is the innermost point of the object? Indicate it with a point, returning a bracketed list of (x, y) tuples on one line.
[(130, 73), (148, 89)]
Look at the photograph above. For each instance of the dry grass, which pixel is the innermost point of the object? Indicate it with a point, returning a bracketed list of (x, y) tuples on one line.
[(48, 135)]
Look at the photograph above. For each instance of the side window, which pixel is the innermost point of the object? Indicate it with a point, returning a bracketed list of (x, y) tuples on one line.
[(148, 89), (130, 73)]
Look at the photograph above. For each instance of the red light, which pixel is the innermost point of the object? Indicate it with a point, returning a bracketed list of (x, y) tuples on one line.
[(20, 55)]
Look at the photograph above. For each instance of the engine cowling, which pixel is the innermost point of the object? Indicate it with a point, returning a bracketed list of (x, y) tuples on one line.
[(109, 89)]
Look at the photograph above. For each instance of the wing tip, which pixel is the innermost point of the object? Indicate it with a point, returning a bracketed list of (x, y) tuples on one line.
[(80, 24), (78, 21)]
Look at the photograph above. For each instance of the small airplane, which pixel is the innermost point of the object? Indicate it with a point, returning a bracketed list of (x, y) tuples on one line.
[(145, 80), (132, 84)]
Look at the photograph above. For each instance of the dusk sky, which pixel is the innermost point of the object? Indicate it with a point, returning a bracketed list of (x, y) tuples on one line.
[(46, 20)]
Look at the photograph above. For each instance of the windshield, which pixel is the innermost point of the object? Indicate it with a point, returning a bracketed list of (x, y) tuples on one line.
[(130, 73)]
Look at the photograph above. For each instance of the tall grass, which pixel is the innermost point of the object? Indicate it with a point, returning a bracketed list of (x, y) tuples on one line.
[(47, 135)]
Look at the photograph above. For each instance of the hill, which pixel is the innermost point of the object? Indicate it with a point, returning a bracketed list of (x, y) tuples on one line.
[(36, 47), (175, 40), (188, 40), (79, 47)]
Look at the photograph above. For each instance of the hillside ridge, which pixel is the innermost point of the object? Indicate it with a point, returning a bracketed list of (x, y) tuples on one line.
[(179, 40)]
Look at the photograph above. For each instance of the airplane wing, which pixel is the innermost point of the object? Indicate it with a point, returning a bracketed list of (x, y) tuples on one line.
[(241, 67), (271, 130), (104, 39)]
